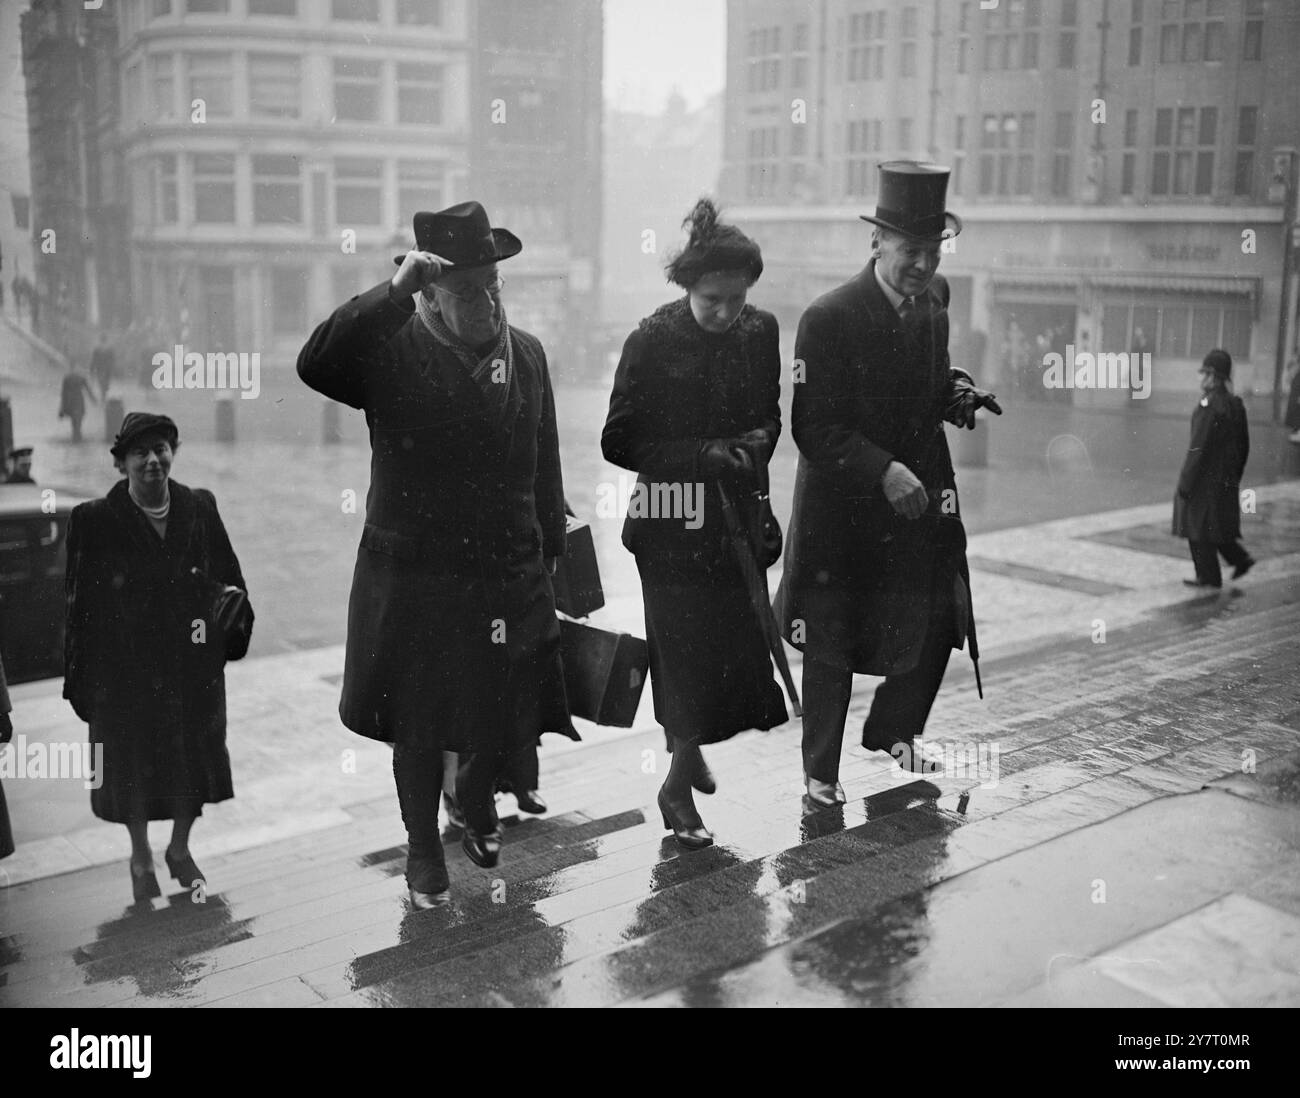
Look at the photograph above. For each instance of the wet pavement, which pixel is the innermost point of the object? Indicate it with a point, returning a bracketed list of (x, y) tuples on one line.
[(1136, 844)]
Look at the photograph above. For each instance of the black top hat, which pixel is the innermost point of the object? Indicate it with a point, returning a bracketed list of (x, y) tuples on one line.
[(911, 201), (464, 235)]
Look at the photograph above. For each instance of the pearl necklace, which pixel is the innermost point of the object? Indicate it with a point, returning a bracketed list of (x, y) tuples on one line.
[(159, 513)]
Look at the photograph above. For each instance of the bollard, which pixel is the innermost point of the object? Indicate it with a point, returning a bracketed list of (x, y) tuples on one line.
[(114, 413), (225, 420), (971, 448), (333, 433)]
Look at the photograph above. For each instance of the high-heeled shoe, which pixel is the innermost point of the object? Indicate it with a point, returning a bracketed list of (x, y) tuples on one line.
[(144, 883), (425, 901), (484, 850), (827, 794), (688, 831), (183, 870)]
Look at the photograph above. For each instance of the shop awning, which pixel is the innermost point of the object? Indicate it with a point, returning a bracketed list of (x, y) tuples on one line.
[(1180, 284)]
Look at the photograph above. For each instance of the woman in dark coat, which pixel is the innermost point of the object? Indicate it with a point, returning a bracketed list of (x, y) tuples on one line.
[(696, 404), (6, 734), (144, 662), (1207, 509)]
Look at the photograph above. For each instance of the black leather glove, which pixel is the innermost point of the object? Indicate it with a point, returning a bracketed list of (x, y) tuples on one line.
[(6, 728), (966, 401), (724, 459)]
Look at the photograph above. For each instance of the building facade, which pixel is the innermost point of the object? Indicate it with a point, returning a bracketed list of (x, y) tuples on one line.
[(536, 163), (1113, 163)]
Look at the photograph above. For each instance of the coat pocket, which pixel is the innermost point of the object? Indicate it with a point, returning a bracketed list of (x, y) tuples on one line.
[(390, 543)]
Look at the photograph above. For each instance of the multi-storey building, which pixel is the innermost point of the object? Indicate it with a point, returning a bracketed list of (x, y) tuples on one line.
[(277, 150), (1113, 161), (536, 161)]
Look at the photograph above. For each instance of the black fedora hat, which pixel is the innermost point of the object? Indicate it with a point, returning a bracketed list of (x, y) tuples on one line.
[(464, 235), (911, 201)]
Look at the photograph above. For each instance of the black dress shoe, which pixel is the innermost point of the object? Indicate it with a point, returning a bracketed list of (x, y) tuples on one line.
[(685, 824), (483, 850), (530, 801), (144, 883), (425, 901), (183, 870), (1244, 567), (826, 794)]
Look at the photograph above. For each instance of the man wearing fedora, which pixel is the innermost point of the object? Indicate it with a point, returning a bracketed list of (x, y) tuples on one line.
[(453, 642), (875, 579)]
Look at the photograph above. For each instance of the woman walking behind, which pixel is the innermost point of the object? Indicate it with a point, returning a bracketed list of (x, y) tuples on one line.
[(1207, 509), (144, 659), (695, 405)]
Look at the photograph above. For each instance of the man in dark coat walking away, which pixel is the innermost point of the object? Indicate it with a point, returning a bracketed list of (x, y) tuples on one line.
[(875, 578), (103, 364), (1207, 509), (72, 400), (453, 643)]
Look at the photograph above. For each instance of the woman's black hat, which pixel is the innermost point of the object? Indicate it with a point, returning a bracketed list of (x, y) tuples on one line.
[(911, 201), (464, 235), (136, 424)]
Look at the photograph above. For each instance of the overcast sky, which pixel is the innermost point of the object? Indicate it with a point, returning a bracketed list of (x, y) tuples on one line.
[(653, 45)]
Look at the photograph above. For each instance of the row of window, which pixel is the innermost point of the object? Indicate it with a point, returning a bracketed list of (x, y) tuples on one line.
[(356, 188), (274, 85), (1199, 34), (1177, 331), (1182, 156), (405, 13)]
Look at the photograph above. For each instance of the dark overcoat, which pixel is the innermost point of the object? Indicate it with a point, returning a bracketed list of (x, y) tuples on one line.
[(676, 388), (6, 832), (859, 579), (137, 667), (451, 623), (1208, 505)]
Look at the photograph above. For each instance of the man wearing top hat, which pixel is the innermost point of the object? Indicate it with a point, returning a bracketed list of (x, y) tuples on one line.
[(875, 579), (453, 643)]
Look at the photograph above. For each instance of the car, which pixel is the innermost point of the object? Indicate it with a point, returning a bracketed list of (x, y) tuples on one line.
[(33, 559)]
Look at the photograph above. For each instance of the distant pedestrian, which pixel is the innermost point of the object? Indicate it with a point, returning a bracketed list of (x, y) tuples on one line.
[(1207, 509), (138, 668), (696, 407), (20, 466), (103, 364), (6, 734), (72, 400)]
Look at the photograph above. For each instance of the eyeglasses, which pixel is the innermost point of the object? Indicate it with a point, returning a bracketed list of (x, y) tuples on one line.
[(491, 289)]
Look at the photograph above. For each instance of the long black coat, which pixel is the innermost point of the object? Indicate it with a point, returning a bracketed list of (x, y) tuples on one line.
[(149, 680), (676, 388), (451, 623), (859, 579), (1207, 506)]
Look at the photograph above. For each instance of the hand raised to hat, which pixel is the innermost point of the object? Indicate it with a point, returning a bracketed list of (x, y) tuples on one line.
[(418, 270)]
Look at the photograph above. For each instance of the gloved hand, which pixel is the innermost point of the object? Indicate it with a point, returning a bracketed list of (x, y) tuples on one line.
[(724, 459), (6, 728), (966, 401)]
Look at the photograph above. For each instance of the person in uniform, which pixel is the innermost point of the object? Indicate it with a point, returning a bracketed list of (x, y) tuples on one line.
[(875, 579)]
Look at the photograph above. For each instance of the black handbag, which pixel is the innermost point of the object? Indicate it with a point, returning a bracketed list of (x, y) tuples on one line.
[(228, 610), (756, 513)]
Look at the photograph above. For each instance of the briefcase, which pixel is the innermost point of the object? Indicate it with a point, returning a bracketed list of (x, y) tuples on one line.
[(577, 577), (604, 673)]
